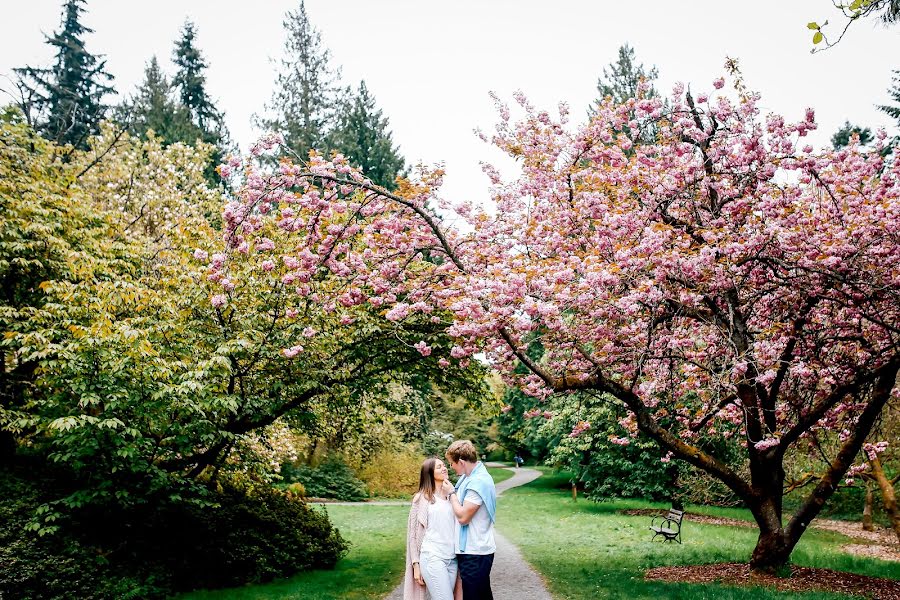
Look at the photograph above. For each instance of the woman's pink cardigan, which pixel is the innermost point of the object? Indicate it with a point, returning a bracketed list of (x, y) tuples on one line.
[(415, 535)]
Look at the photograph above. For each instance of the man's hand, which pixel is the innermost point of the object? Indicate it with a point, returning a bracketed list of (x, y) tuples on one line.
[(446, 487), (417, 574)]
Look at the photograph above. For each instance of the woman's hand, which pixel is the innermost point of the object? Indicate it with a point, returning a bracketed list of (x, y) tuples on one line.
[(417, 574), (446, 487)]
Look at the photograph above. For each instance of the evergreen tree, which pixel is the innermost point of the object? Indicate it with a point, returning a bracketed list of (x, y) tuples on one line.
[(190, 83), (68, 97), (894, 91), (153, 107), (841, 137), (307, 92), (621, 78), (620, 82), (196, 116), (362, 136)]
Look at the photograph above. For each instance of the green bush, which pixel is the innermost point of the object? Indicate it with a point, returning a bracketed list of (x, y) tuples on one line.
[(253, 535), (331, 479), (238, 534)]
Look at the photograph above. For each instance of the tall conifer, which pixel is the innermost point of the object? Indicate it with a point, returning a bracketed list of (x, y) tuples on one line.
[(67, 98), (306, 92), (362, 136)]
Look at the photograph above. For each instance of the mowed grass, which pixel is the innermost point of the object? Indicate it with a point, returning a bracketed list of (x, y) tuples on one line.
[(588, 550), (373, 567), (500, 474)]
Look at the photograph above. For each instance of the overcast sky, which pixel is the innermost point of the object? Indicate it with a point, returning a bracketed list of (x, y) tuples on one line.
[(431, 65)]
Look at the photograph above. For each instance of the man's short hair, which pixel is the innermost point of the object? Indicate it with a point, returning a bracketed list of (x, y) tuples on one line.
[(461, 450)]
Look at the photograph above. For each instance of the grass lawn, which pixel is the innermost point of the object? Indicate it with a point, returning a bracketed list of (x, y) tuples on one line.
[(587, 550), (499, 474), (371, 569)]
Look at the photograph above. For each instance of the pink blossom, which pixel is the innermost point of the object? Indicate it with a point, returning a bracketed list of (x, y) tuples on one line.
[(264, 245), (398, 313), (267, 265), (201, 255), (309, 332), (443, 363), (579, 428), (766, 443), (719, 83), (292, 351), (423, 348), (219, 300)]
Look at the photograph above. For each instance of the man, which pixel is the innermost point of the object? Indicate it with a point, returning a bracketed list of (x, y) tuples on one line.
[(474, 502)]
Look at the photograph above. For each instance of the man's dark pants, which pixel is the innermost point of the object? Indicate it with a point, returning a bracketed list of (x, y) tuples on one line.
[(475, 572)]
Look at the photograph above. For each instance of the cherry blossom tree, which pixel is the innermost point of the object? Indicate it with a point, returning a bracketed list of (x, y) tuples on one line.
[(725, 281)]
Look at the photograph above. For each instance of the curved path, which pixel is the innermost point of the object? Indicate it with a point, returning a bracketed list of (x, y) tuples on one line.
[(511, 577)]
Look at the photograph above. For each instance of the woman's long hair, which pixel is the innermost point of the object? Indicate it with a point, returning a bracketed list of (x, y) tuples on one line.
[(426, 479)]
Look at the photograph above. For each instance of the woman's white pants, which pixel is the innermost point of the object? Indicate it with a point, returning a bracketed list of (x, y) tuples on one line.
[(439, 575)]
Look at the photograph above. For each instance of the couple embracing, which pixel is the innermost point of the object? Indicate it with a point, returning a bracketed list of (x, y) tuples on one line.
[(450, 533)]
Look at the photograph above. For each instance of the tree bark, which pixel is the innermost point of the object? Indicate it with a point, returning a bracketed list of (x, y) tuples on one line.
[(771, 553), (774, 546), (867, 523), (887, 494)]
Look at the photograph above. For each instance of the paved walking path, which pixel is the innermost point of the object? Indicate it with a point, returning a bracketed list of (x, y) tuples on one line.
[(511, 577)]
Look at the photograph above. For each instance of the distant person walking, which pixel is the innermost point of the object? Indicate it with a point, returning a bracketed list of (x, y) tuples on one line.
[(430, 532), (474, 502), (518, 460)]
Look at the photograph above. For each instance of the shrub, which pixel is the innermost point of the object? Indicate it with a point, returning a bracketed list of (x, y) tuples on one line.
[(254, 534), (239, 534), (296, 489), (331, 479), (394, 475)]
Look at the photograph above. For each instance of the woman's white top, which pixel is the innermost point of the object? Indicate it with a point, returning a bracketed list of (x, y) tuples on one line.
[(440, 533)]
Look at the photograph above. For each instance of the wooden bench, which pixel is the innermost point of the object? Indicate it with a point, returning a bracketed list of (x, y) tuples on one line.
[(669, 527)]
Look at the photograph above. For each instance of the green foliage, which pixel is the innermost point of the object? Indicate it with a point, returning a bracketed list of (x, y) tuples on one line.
[(604, 468), (253, 534), (392, 474), (68, 97), (245, 533), (842, 136), (333, 478), (893, 109), (371, 569)]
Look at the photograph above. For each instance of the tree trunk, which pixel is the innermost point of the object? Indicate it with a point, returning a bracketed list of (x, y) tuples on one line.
[(772, 552), (887, 494), (867, 523)]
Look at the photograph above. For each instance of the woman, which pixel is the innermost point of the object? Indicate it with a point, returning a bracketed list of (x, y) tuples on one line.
[(430, 552)]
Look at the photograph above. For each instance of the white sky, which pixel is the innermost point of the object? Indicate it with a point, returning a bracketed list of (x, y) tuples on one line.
[(431, 64)]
